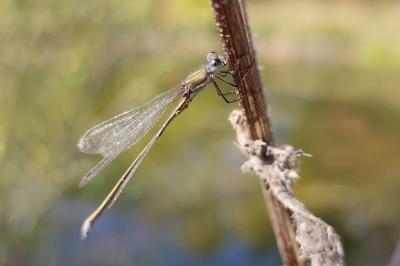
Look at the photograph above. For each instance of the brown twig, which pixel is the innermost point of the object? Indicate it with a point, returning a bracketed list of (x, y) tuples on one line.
[(231, 19)]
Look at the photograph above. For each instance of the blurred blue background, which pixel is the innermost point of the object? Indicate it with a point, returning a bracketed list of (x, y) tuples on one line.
[(331, 70)]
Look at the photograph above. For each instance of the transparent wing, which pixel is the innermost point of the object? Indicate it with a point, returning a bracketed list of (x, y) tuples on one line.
[(126, 129), (125, 178), (113, 195), (114, 136)]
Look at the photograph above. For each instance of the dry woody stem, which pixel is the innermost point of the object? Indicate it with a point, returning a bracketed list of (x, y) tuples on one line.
[(277, 168), (236, 38), (290, 220)]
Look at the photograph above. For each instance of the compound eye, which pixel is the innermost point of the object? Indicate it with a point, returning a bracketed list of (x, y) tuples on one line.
[(215, 62)]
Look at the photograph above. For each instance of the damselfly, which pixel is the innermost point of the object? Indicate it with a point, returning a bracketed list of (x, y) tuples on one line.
[(121, 132)]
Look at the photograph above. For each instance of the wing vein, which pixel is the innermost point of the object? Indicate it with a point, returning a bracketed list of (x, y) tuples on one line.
[(112, 137)]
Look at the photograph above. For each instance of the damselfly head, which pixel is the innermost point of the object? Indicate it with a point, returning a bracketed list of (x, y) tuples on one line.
[(215, 61)]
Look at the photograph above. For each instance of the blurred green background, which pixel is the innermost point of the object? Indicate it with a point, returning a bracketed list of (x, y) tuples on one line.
[(332, 73)]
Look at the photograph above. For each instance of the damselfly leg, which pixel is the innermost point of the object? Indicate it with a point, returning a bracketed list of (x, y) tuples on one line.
[(222, 75), (223, 95)]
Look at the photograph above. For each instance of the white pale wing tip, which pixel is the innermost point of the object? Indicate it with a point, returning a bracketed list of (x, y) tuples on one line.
[(86, 226), (84, 181)]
